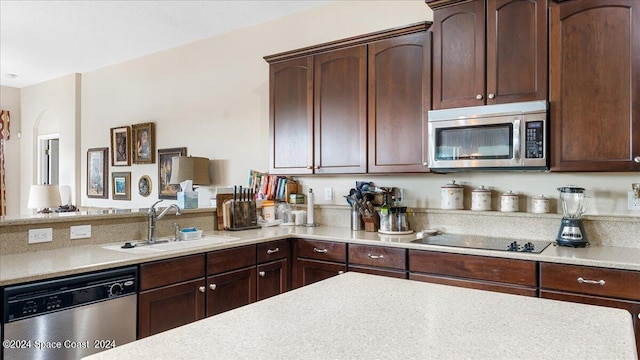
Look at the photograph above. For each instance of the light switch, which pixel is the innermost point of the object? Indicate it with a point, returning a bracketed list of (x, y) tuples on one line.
[(80, 232)]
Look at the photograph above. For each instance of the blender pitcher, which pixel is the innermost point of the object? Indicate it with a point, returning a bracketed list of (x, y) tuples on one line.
[(574, 204)]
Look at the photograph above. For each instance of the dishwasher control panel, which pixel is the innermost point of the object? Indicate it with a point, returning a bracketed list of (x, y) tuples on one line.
[(28, 300)]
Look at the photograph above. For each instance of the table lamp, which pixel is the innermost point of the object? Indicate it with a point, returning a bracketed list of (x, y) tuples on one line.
[(188, 171), (44, 197)]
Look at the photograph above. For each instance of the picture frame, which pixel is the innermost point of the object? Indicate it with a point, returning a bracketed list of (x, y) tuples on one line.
[(97, 170), (143, 143), (121, 146), (166, 190), (144, 186), (121, 185)]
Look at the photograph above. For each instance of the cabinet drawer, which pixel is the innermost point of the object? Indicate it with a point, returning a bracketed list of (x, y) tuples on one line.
[(519, 272), (476, 284), (322, 250), (622, 284), (230, 259), (171, 271), (273, 250), (394, 258)]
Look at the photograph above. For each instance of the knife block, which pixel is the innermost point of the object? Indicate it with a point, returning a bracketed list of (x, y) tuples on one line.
[(242, 215)]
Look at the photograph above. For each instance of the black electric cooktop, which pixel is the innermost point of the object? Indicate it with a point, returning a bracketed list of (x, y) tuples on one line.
[(485, 242)]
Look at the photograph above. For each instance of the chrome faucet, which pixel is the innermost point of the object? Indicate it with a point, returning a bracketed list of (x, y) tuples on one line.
[(151, 215)]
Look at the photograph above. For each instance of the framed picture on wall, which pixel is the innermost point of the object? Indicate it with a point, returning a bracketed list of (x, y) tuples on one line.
[(97, 181), (121, 146), (143, 143), (166, 190), (121, 188)]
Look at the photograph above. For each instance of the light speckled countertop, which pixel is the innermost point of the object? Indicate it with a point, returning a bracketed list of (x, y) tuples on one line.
[(359, 316), (25, 267)]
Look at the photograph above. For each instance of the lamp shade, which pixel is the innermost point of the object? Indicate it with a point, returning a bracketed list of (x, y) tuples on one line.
[(190, 168), (44, 197)]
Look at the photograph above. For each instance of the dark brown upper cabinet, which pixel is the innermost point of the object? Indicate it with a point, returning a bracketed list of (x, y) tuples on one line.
[(488, 52), (351, 106), (291, 116), (340, 117), (399, 99), (594, 62)]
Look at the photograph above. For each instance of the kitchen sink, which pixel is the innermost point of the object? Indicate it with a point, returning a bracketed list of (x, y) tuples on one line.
[(165, 244)]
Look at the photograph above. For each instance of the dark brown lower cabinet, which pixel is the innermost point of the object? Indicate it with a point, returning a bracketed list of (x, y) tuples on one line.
[(378, 260), (273, 278), (477, 272), (632, 306), (170, 306), (309, 271), (231, 290)]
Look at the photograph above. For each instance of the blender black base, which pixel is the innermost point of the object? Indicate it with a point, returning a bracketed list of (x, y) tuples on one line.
[(572, 243)]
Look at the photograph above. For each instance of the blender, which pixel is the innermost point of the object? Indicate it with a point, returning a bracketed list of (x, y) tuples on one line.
[(574, 204)]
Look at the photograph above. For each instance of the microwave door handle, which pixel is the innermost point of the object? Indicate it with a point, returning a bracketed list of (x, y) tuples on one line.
[(516, 139)]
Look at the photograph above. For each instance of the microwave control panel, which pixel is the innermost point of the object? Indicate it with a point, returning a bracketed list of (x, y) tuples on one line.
[(534, 140)]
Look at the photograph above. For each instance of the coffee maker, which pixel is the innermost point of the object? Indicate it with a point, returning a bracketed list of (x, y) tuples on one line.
[(574, 204)]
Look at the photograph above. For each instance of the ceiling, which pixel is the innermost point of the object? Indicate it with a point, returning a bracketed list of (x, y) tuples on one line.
[(43, 40)]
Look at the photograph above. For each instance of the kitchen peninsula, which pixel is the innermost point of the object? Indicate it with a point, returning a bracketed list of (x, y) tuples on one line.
[(360, 316)]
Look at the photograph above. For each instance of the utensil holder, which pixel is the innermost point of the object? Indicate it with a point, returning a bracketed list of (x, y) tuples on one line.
[(356, 221)]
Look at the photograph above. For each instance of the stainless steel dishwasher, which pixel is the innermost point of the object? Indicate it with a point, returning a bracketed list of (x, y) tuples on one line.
[(71, 317)]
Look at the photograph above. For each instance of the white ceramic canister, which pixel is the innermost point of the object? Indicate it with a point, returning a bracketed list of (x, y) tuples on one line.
[(540, 204), (481, 199), (451, 196), (509, 202)]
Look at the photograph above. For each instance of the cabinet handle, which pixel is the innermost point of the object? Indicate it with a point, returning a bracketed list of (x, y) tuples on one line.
[(269, 251), (375, 256), (317, 167), (479, 97), (425, 164), (321, 251), (309, 167), (491, 96), (585, 281), (202, 289), (212, 286), (636, 159), (340, 272), (261, 273)]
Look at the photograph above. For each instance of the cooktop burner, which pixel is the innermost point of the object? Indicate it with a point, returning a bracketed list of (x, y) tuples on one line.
[(485, 242)]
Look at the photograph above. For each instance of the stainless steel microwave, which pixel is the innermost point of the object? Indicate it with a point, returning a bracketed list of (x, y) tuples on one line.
[(504, 136)]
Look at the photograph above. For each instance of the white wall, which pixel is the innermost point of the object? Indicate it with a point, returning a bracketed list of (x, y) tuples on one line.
[(212, 97), (10, 100), (50, 107)]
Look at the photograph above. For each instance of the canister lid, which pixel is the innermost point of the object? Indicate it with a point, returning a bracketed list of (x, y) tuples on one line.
[(571, 189), (509, 193), (541, 197), (451, 185), (481, 189)]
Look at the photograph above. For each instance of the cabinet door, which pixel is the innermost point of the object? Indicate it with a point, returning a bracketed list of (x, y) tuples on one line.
[(231, 290), (340, 91), (516, 51), (399, 98), (273, 278), (594, 60), (170, 306), (632, 306), (459, 55), (291, 116), (310, 271)]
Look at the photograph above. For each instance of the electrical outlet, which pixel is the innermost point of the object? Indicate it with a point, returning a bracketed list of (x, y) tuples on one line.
[(328, 193), (40, 235), (634, 203), (80, 232)]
